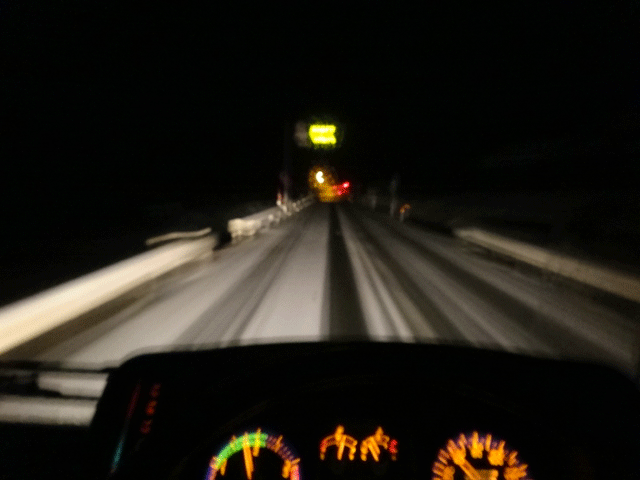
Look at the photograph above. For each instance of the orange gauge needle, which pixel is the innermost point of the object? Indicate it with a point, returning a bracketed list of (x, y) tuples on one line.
[(248, 458), (471, 472)]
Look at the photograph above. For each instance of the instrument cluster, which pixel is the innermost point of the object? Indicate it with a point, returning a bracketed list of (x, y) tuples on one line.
[(374, 429), (364, 411)]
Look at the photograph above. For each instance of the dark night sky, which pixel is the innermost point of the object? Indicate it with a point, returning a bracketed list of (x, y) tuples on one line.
[(106, 102)]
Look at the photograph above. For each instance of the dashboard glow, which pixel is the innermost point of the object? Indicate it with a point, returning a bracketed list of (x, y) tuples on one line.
[(487, 459), (369, 446), (250, 445), (340, 440), (373, 443)]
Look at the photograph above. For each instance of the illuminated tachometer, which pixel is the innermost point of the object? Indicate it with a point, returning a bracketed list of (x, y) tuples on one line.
[(249, 465), (478, 458)]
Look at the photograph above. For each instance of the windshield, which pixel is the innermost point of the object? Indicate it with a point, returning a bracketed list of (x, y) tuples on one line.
[(182, 176)]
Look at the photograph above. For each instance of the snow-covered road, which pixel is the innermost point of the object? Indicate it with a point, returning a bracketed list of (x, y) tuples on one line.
[(336, 271)]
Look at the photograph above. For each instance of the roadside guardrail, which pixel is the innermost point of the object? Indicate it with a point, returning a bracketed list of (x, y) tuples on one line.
[(33, 316), (177, 236), (250, 225), (28, 318), (618, 283)]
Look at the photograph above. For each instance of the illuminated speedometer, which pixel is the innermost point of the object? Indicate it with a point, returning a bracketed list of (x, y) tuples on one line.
[(477, 457), (241, 458)]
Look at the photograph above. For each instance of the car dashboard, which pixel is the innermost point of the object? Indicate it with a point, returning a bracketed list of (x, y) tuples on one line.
[(361, 410)]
